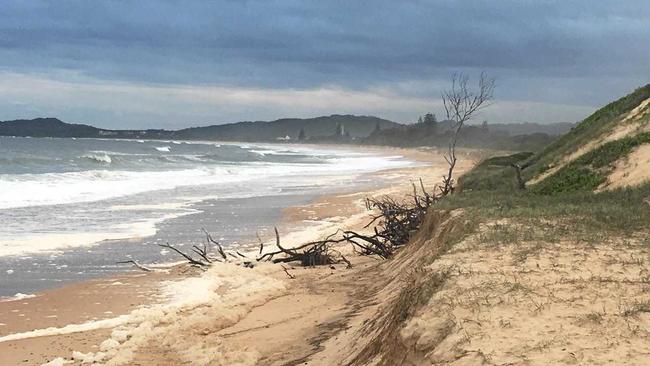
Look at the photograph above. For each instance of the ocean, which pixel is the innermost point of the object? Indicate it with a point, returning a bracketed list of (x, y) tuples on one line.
[(71, 208)]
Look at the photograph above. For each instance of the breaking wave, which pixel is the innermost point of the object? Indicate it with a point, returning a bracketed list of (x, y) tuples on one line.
[(99, 158)]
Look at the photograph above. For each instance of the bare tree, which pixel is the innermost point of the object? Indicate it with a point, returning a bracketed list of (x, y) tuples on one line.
[(461, 104)]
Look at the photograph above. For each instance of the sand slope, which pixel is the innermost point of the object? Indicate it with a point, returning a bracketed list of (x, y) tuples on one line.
[(632, 123), (632, 170)]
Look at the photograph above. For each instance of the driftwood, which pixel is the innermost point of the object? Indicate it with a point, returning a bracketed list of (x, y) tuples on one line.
[(216, 243), (309, 254), (393, 224), (194, 262), (137, 265), (287, 272), (205, 255)]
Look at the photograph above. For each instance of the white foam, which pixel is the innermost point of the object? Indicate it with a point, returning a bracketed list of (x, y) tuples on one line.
[(19, 296), (163, 148), (54, 242), (58, 362), (68, 329), (218, 298), (21, 190), (100, 158)]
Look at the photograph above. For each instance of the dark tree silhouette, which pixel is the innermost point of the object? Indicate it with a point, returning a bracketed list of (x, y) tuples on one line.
[(340, 130), (377, 128)]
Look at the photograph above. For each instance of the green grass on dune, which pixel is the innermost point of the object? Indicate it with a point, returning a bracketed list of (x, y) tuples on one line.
[(564, 205), (622, 211), (601, 121), (488, 193), (589, 171)]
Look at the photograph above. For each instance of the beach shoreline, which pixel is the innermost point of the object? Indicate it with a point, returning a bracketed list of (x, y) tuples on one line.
[(107, 298), (48, 246)]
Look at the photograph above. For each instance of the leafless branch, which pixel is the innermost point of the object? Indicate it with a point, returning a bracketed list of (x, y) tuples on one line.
[(461, 104), (137, 265)]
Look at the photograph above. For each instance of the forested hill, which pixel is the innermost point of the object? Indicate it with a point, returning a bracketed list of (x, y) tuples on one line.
[(326, 129), (314, 129), (46, 127)]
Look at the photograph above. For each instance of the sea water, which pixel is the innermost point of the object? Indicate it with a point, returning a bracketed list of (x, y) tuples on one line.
[(71, 208)]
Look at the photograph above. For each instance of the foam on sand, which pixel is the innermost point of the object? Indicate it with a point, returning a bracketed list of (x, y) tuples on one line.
[(68, 329), (19, 296), (215, 300), (57, 362)]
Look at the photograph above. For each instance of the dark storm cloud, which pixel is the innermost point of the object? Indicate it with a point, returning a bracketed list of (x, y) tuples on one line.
[(544, 50)]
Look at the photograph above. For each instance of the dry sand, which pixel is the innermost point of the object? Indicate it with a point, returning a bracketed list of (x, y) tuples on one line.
[(481, 303), (532, 303), (633, 170)]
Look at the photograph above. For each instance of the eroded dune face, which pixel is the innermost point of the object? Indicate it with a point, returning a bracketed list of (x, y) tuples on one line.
[(532, 303)]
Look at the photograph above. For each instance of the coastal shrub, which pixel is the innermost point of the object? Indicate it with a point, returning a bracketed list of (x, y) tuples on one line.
[(571, 178), (614, 150)]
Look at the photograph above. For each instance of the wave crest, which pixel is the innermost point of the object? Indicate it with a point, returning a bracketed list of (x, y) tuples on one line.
[(99, 158)]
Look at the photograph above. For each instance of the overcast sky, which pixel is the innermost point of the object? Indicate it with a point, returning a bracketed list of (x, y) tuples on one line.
[(138, 64)]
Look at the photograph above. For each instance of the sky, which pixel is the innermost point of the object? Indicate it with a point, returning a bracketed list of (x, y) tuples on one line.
[(173, 64)]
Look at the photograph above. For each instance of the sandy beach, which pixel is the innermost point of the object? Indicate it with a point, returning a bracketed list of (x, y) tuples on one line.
[(258, 317), (324, 183)]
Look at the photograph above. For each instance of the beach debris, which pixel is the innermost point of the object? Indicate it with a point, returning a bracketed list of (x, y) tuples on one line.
[(393, 224), (287, 272), (261, 242), (194, 262), (205, 255), (216, 243), (137, 265), (311, 254)]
